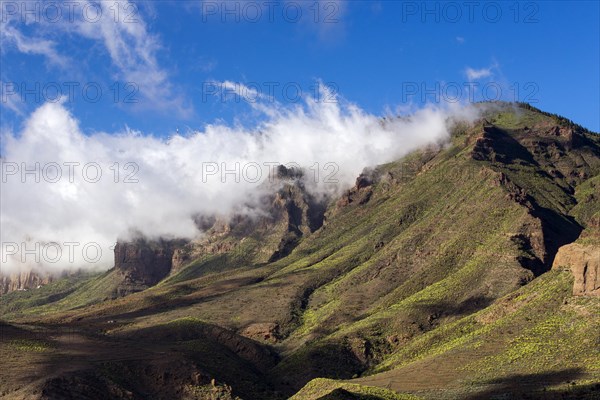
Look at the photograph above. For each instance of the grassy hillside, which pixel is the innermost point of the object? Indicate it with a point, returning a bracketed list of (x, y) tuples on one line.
[(431, 276), (333, 390), (76, 291)]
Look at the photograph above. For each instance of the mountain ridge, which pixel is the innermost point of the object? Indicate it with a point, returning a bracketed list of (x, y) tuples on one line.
[(414, 267)]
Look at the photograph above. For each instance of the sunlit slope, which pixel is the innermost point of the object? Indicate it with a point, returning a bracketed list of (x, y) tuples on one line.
[(539, 340), (431, 273)]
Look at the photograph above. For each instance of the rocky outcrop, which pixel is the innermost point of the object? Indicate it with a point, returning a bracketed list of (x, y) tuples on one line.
[(141, 264), (24, 280), (547, 145), (497, 145), (361, 192), (584, 263), (262, 331), (296, 213), (278, 220)]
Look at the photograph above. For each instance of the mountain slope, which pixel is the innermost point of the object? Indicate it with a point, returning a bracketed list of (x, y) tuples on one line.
[(432, 276)]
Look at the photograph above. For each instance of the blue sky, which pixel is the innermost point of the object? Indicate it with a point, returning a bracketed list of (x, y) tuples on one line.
[(187, 64)]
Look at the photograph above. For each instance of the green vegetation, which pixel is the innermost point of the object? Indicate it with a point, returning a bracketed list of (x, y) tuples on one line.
[(556, 117), (319, 388), (434, 280), (212, 392), (37, 346), (68, 293)]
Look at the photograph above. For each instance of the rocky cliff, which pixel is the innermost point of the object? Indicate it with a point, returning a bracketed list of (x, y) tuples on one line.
[(24, 280), (141, 263), (584, 263), (266, 231)]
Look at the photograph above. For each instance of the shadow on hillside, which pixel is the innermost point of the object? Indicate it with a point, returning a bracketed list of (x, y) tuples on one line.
[(156, 362), (558, 230), (182, 296), (537, 386), (342, 394), (10, 332), (448, 309), (333, 360), (508, 150)]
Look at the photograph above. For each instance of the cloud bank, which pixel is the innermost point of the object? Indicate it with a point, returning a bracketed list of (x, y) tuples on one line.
[(63, 186)]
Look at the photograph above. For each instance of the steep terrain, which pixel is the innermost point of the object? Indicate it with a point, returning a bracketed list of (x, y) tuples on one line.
[(467, 270), (23, 280)]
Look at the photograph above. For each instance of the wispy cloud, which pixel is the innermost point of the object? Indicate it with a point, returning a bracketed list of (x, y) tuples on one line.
[(13, 103), (133, 50), (460, 39), (10, 36), (237, 90), (474, 74), (325, 17), (206, 64)]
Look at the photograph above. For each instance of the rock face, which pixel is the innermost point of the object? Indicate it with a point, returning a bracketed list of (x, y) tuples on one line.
[(142, 264), (24, 280), (282, 216), (262, 331), (549, 147), (584, 263), (294, 213), (360, 193)]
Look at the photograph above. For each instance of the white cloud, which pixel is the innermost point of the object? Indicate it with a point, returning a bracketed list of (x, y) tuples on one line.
[(327, 18), (474, 74), (324, 19), (132, 49), (171, 186), (228, 90), (9, 35), (11, 101)]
